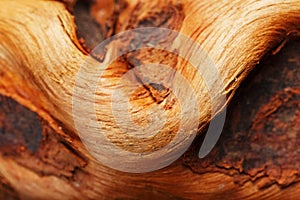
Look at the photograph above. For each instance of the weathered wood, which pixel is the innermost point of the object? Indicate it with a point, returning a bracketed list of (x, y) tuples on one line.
[(250, 161), (38, 67)]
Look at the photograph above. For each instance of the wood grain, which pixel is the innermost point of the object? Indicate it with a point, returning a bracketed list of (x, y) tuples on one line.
[(40, 54)]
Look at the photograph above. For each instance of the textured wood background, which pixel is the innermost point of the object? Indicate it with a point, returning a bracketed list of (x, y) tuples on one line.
[(258, 151)]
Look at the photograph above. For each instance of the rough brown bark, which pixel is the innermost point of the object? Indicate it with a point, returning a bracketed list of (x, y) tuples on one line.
[(55, 163)]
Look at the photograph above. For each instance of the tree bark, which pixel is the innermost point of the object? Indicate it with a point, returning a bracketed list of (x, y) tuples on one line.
[(41, 55)]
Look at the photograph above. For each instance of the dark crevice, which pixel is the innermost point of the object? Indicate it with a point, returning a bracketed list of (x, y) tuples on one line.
[(89, 32), (19, 127), (33, 144)]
